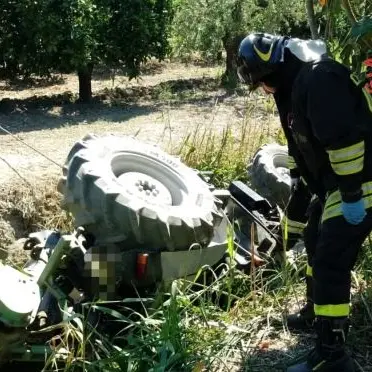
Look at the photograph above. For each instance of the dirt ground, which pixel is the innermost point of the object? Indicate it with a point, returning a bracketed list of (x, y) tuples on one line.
[(40, 123), (39, 116), (168, 102)]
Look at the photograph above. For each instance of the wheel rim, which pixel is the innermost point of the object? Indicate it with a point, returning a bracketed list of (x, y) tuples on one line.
[(145, 186), (149, 179), (281, 167)]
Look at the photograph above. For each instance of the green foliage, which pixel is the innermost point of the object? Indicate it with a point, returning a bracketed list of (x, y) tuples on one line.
[(135, 31), (209, 151), (202, 25), (362, 28), (360, 39), (283, 17), (227, 152), (352, 44), (39, 36), (19, 44), (70, 33)]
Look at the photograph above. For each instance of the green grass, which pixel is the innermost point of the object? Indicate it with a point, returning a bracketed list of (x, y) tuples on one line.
[(233, 323), (193, 329), (197, 326), (227, 154)]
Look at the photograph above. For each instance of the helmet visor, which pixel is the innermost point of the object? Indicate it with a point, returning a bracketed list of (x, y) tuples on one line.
[(245, 77)]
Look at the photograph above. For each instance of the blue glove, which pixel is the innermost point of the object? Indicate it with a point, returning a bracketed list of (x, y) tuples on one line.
[(354, 213)]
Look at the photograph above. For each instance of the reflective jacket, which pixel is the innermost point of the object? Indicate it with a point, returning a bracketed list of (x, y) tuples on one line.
[(296, 163), (331, 129)]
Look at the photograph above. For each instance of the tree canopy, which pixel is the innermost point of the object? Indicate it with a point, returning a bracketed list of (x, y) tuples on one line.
[(39, 36), (42, 36)]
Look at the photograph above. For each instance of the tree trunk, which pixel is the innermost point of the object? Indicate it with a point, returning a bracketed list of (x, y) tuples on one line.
[(85, 83), (311, 19), (231, 41), (231, 45)]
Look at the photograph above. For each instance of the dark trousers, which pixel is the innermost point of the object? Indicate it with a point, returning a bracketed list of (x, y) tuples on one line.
[(332, 247), (312, 230), (296, 213)]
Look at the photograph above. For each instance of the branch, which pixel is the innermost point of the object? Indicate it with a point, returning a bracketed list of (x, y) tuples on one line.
[(349, 11), (311, 19), (353, 20)]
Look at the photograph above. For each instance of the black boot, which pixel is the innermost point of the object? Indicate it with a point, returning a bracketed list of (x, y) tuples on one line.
[(329, 354), (304, 319)]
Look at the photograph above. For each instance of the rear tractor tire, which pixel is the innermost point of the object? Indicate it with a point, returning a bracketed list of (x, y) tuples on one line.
[(121, 189)]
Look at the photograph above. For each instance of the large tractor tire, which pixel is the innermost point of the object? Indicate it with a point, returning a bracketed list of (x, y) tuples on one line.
[(121, 189), (269, 173)]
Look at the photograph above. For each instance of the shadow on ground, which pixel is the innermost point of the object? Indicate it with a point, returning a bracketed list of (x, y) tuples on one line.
[(149, 68), (278, 360), (274, 359), (110, 105), (18, 84), (69, 114), (277, 354), (99, 73)]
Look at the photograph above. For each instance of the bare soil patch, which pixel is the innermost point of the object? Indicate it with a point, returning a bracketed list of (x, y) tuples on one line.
[(169, 102), (163, 106)]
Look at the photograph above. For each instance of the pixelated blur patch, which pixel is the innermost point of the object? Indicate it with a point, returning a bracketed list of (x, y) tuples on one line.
[(100, 270)]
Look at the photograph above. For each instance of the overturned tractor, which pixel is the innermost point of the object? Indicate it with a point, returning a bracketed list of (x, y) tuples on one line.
[(142, 218)]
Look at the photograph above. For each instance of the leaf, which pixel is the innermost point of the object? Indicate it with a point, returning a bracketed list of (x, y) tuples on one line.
[(111, 312), (346, 52), (362, 27)]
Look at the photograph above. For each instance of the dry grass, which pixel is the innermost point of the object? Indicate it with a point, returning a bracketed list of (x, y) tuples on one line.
[(210, 129), (25, 208), (164, 107), (180, 107)]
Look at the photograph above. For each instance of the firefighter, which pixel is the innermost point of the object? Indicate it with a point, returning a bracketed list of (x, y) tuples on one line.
[(298, 222), (301, 218), (329, 122)]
